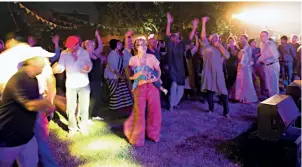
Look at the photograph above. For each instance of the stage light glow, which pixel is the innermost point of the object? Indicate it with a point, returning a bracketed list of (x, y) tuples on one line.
[(151, 36), (281, 18), (258, 16)]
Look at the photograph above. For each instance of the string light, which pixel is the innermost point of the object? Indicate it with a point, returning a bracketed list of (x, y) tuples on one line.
[(72, 26)]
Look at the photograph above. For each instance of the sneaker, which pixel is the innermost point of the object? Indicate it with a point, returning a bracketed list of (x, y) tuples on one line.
[(98, 118), (71, 133), (89, 122), (83, 130), (177, 106), (227, 116)]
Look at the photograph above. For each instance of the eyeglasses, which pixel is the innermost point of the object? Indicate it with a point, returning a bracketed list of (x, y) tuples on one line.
[(141, 44)]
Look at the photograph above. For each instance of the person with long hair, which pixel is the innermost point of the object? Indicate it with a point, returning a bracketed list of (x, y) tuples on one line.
[(144, 94)]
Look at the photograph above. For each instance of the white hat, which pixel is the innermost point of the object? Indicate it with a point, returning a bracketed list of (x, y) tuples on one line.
[(22, 52), (10, 58)]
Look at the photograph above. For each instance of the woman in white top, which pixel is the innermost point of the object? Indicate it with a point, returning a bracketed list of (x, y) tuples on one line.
[(244, 90)]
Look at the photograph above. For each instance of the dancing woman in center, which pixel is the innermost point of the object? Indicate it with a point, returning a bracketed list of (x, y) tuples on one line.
[(144, 94)]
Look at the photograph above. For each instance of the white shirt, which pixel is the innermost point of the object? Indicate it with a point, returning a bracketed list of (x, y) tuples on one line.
[(114, 61), (75, 78), (42, 78), (126, 57), (269, 52)]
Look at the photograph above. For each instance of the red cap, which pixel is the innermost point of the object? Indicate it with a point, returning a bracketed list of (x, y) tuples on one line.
[(72, 41)]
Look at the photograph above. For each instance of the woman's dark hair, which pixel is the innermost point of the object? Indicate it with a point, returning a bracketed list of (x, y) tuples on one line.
[(20, 36), (284, 37), (231, 37), (113, 43), (250, 41)]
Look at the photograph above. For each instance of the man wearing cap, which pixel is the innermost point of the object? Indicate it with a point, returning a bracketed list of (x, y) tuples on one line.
[(17, 42), (76, 61), (20, 104)]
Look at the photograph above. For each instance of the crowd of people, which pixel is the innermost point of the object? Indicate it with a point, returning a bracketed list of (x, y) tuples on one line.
[(141, 75)]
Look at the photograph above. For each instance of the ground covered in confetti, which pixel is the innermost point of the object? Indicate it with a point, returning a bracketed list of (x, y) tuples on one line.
[(190, 137)]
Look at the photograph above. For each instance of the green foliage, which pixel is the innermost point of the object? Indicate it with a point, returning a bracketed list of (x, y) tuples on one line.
[(150, 17)]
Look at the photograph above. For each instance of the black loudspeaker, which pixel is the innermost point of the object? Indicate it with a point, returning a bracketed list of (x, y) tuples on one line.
[(275, 115), (294, 90)]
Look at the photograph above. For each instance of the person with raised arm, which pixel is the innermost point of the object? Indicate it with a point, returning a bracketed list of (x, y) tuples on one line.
[(176, 50), (212, 78), (95, 78), (145, 93)]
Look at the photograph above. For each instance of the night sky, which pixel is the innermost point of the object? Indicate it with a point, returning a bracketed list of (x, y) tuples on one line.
[(90, 8), (64, 7)]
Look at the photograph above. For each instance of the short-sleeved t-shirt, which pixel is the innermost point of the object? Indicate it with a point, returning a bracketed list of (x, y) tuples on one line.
[(150, 61), (16, 122)]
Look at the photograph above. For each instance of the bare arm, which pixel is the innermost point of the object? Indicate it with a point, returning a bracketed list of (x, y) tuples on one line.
[(136, 75), (195, 24), (203, 34), (59, 67), (38, 105), (55, 41), (157, 68), (195, 49), (100, 47), (222, 50), (51, 87), (169, 22)]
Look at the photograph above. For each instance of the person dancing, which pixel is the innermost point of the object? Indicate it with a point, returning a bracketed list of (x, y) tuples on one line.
[(144, 93)]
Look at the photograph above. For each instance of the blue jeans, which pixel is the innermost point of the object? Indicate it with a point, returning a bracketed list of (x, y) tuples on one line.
[(176, 93), (41, 133), (287, 72), (83, 105)]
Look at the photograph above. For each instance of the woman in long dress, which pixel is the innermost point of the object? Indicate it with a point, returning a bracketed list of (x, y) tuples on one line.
[(120, 95), (243, 90)]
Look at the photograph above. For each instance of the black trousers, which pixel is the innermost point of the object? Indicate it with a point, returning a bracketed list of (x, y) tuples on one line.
[(95, 99), (222, 98)]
